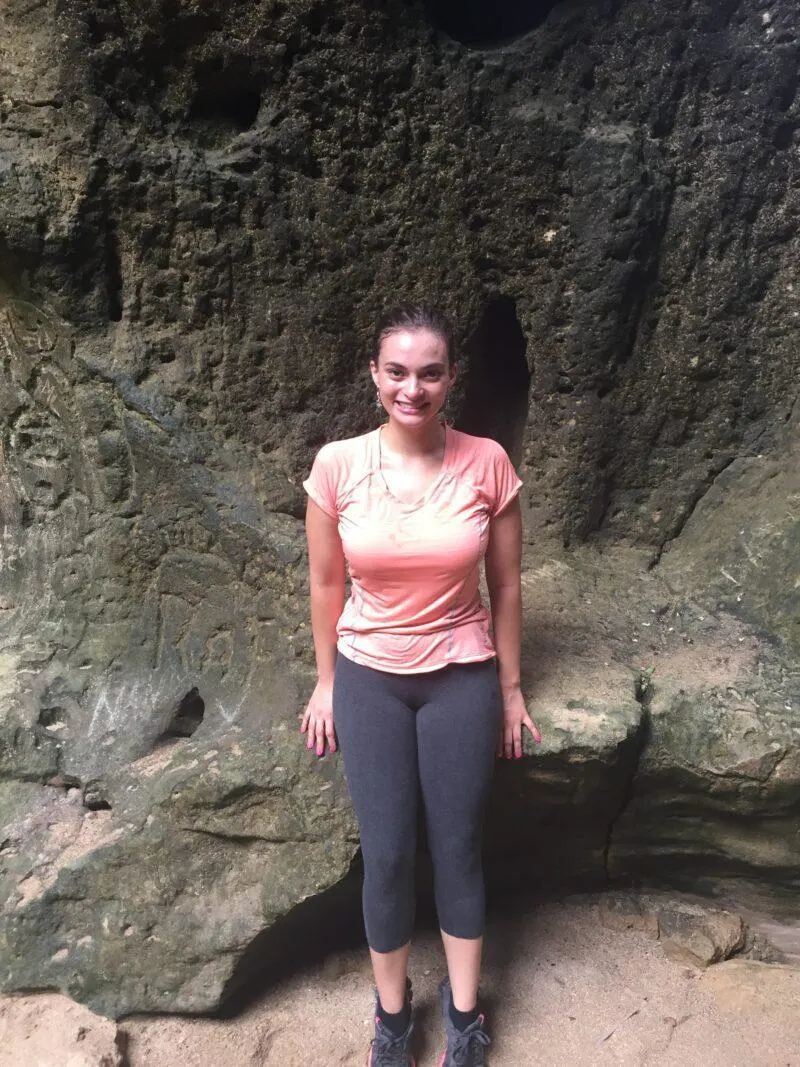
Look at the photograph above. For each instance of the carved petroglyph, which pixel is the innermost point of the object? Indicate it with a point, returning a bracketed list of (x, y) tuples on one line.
[(29, 334)]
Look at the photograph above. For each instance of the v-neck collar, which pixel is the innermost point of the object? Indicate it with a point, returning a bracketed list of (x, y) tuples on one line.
[(412, 506)]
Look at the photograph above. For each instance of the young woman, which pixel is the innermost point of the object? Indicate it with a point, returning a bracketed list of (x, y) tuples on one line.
[(416, 682)]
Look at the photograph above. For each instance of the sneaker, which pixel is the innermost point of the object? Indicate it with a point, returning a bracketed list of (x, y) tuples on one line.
[(387, 1050), (465, 1048)]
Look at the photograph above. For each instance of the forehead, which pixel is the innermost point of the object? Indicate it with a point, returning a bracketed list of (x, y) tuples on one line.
[(413, 346)]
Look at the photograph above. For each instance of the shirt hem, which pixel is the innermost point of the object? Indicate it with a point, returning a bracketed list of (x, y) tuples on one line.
[(366, 661)]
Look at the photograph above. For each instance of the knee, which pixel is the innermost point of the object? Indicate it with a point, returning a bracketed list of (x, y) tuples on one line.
[(387, 867)]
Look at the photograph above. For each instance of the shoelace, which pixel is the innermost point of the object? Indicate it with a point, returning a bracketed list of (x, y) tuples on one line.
[(389, 1051), (467, 1044)]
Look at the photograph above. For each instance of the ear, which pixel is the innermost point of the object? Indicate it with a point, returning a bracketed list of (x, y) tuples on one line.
[(453, 374), (373, 369)]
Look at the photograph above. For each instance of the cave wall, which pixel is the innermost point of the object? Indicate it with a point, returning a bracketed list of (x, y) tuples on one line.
[(221, 201)]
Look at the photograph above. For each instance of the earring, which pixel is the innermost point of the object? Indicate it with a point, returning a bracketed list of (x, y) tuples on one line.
[(378, 401)]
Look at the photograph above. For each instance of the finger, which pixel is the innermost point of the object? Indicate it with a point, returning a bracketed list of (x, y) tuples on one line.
[(518, 741), (508, 744), (311, 728), (534, 729), (330, 734), (304, 722), (320, 737)]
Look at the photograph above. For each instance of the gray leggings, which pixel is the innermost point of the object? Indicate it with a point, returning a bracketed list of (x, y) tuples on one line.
[(406, 735)]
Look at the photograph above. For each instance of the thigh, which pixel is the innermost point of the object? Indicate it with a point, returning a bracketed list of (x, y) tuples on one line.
[(457, 733), (377, 736)]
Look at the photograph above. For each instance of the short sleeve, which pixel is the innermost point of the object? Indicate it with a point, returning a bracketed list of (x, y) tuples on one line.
[(322, 483), (505, 482)]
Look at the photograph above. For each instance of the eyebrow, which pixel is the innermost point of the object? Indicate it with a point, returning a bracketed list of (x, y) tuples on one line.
[(401, 366)]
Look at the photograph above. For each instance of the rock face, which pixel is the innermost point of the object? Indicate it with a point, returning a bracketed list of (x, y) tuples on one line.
[(202, 210)]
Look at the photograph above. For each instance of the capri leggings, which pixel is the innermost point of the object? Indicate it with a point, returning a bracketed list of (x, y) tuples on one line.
[(406, 736)]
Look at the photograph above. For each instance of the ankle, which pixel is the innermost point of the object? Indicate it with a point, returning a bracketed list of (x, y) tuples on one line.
[(396, 1022), (462, 1019)]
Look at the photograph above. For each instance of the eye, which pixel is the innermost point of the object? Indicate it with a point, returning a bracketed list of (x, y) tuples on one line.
[(395, 372)]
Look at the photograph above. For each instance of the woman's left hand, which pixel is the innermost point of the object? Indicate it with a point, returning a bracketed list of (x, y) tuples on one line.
[(515, 716)]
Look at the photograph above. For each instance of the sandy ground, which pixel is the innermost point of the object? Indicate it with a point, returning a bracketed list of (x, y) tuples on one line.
[(560, 990)]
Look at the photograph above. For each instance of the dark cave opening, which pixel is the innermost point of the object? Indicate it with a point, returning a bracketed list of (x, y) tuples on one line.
[(225, 105), (487, 22), (497, 378), (187, 716)]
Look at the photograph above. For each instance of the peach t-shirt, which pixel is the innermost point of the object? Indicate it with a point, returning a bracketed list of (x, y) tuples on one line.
[(415, 601)]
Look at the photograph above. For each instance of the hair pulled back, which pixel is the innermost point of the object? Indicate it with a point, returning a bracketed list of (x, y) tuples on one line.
[(414, 317)]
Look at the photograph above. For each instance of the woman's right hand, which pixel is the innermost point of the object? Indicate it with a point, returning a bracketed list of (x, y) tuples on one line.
[(318, 720)]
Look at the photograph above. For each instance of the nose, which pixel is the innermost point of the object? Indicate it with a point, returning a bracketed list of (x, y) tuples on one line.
[(414, 387)]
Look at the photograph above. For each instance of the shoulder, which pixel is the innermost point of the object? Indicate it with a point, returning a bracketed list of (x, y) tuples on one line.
[(471, 449), (346, 452), (485, 464)]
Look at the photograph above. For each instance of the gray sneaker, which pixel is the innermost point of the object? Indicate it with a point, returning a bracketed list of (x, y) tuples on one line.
[(465, 1048), (386, 1050)]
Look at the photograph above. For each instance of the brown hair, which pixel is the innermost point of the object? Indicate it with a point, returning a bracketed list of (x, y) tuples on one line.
[(414, 317)]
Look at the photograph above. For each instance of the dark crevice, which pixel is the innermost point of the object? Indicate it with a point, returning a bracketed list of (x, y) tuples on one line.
[(498, 380), (52, 717), (226, 102), (487, 22), (680, 524), (113, 273), (246, 840), (643, 691), (95, 795), (187, 716)]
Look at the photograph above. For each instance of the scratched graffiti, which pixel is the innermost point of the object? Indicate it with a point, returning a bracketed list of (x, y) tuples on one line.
[(114, 708)]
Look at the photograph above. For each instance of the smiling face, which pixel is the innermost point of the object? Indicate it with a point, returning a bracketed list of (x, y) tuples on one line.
[(412, 375)]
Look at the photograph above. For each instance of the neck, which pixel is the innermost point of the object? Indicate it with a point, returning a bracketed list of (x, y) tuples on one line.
[(414, 441)]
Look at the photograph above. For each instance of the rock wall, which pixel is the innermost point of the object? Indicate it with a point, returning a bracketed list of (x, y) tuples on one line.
[(202, 210)]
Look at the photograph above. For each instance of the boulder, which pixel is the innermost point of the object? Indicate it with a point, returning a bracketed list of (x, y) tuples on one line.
[(691, 932), (152, 905)]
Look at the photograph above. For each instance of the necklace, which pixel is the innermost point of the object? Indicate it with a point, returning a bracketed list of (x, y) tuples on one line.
[(434, 479)]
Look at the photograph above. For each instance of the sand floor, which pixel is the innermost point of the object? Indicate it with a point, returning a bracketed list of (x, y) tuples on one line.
[(560, 990)]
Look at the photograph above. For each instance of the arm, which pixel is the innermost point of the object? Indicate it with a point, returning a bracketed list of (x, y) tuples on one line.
[(503, 566), (327, 580)]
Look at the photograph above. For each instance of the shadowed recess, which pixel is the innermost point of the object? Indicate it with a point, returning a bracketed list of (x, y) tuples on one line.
[(487, 22), (226, 103), (188, 715), (497, 378)]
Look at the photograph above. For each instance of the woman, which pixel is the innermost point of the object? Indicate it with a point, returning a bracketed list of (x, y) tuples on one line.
[(415, 682)]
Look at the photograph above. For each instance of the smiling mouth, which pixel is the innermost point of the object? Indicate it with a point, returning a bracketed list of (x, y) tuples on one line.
[(410, 407)]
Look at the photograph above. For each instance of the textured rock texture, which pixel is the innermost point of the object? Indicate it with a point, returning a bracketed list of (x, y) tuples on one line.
[(202, 209)]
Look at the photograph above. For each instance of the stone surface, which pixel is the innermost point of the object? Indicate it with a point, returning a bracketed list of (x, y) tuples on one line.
[(692, 932), (152, 905), (716, 790), (752, 988), (53, 1031)]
